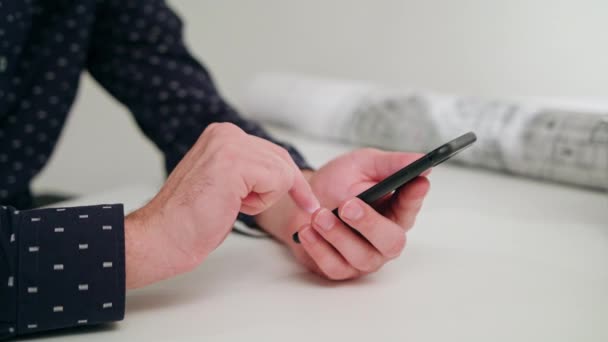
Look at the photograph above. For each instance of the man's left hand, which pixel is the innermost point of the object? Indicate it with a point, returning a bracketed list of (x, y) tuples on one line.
[(328, 246)]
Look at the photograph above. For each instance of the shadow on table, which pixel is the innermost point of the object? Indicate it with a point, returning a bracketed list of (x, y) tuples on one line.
[(314, 279), (309, 278), (81, 331), (220, 275), (155, 300)]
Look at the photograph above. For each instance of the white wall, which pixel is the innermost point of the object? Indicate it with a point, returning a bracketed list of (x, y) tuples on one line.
[(506, 48)]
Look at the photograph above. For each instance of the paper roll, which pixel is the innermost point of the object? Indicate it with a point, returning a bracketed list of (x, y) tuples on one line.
[(535, 140)]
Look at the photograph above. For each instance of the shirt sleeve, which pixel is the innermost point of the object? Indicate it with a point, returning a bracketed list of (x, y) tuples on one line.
[(139, 56), (61, 267)]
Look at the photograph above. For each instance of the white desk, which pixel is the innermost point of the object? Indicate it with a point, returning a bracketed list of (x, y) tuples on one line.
[(492, 258)]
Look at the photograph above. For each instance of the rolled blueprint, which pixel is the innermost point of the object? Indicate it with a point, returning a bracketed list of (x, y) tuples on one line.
[(534, 140)]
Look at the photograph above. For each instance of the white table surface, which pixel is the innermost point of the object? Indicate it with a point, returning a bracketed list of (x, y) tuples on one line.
[(492, 258)]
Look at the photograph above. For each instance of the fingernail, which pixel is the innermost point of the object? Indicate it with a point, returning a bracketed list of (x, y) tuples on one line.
[(352, 210), (325, 219), (308, 235)]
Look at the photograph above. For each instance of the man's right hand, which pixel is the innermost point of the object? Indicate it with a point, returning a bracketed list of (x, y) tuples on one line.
[(226, 172)]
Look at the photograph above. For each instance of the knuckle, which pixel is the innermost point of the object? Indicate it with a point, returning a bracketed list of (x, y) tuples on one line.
[(368, 262), (368, 151), (223, 129), (338, 273), (369, 223), (290, 177), (397, 247), (205, 134), (425, 182), (258, 206), (408, 223), (410, 206), (333, 270), (284, 153), (282, 173), (230, 152), (211, 129)]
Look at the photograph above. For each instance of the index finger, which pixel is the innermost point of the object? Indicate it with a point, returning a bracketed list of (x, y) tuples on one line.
[(302, 194), (301, 191)]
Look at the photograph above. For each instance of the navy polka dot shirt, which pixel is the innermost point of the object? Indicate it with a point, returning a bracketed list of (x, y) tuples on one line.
[(64, 267)]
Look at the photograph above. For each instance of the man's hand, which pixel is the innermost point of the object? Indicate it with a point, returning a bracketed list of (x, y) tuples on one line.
[(330, 248), (225, 172)]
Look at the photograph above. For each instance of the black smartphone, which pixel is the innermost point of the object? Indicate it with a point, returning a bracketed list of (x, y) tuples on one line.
[(411, 171)]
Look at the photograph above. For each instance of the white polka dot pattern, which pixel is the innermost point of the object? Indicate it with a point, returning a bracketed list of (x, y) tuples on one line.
[(60, 284), (134, 49), (33, 105), (144, 63)]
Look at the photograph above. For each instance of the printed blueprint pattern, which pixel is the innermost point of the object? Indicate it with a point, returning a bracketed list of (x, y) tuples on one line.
[(541, 142)]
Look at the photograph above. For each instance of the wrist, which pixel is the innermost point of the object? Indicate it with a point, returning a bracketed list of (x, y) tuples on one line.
[(134, 255), (141, 254), (308, 173), (277, 219)]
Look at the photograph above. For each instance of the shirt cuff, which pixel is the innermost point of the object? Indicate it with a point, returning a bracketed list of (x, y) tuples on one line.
[(68, 267)]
